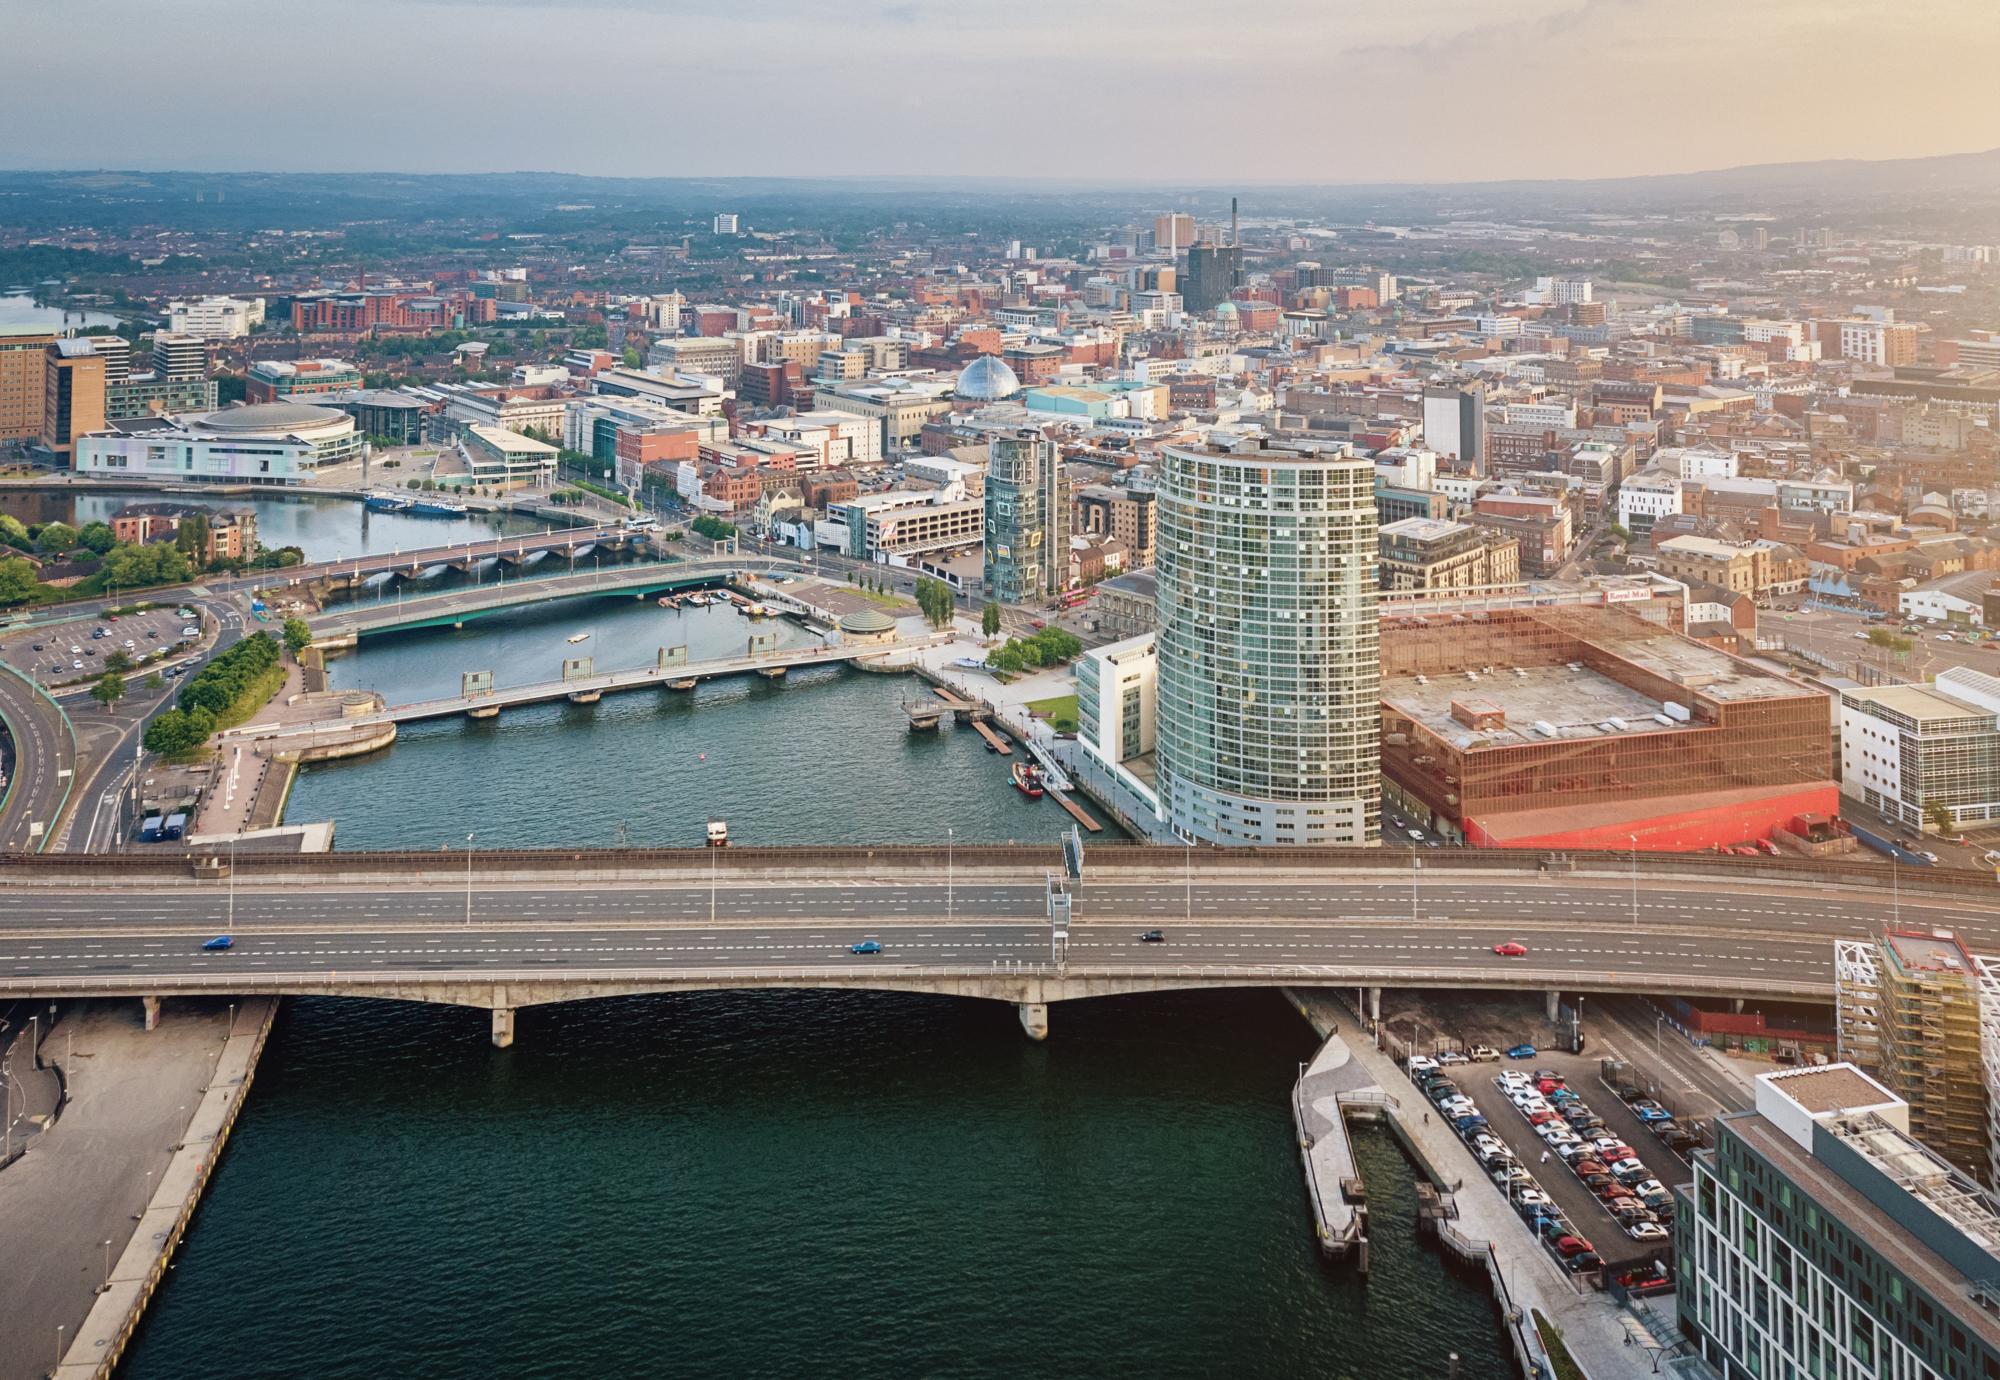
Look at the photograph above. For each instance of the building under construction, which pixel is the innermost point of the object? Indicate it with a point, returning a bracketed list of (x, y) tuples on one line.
[(1923, 1015), (1591, 727)]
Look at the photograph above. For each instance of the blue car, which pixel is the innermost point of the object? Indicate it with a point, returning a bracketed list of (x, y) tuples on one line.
[(1521, 1052), (866, 946), (219, 943)]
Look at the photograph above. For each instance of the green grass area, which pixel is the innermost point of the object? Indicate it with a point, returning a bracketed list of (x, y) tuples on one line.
[(895, 603), (254, 698), (1552, 1342), (1059, 710)]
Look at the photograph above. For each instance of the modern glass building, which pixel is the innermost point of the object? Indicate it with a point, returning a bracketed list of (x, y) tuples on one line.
[(1269, 715), (1820, 1240), (1027, 518)]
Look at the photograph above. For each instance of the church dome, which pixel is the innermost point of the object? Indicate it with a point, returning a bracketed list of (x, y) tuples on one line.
[(987, 379)]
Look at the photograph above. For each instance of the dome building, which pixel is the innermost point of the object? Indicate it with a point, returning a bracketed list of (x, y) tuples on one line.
[(263, 443), (987, 379)]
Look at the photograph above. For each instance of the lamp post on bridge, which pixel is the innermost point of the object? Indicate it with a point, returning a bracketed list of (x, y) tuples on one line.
[(950, 871), (1635, 879), (468, 878)]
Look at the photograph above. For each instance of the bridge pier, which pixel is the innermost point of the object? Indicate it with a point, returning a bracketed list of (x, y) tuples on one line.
[(503, 1026), (1375, 1005), (1035, 1019), (151, 1006), (1555, 1003), (1736, 1005)]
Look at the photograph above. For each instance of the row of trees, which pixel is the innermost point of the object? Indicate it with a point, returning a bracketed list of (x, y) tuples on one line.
[(714, 528), (1049, 647), (936, 600), (211, 695)]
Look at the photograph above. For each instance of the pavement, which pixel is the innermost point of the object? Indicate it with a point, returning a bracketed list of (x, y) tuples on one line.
[(1690, 934), (30, 1089), (131, 1093)]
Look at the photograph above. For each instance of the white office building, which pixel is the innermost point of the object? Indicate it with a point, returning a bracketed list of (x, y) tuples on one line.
[(215, 318), (1645, 498), (1903, 747), (1269, 713), (265, 443)]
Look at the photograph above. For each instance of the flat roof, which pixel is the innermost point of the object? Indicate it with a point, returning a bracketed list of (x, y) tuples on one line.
[(1577, 704), (1835, 1088), (1915, 702)]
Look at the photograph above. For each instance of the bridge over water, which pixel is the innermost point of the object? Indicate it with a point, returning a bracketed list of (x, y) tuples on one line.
[(506, 930), (345, 626)]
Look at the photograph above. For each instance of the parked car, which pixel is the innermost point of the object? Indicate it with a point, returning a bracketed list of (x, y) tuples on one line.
[(1452, 1057), (1647, 1231), (1630, 1172), (1521, 1052), (1572, 1245), (1482, 1054), (1511, 950)]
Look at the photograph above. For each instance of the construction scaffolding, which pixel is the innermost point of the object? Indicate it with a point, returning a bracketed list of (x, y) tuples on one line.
[(1923, 1015)]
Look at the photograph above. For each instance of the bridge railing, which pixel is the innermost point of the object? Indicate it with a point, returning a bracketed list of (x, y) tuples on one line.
[(475, 986), (1103, 859)]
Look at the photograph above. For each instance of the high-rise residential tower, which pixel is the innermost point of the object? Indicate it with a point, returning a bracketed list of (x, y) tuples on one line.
[(1269, 714), (1455, 423), (1027, 518)]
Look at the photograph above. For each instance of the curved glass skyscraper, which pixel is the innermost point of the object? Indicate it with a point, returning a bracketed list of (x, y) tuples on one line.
[(1269, 715)]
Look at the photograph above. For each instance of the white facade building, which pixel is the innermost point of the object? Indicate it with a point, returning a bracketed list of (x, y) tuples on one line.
[(215, 318), (1905, 746), (1645, 498), (267, 443)]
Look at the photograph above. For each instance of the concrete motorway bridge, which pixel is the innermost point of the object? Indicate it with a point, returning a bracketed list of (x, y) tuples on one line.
[(507, 930)]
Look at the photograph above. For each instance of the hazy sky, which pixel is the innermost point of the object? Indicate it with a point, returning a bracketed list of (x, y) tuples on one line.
[(1157, 90)]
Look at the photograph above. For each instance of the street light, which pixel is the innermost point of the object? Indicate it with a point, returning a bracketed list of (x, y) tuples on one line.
[(950, 871), (107, 1267), (468, 879), (1635, 879), (1187, 853)]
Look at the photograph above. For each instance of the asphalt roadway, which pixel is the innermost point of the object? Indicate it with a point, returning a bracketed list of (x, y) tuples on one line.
[(1580, 935), (44, 763)]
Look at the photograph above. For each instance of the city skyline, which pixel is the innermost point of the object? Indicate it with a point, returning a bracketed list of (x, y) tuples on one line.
[(1378, 92)]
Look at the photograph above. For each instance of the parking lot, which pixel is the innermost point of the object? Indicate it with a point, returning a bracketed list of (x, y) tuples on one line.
[(51, 654)]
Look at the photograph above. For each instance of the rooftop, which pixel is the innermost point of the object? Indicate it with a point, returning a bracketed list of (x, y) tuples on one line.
[(1835, 1088)]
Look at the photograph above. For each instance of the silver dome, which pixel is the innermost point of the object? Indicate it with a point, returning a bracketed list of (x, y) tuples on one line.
[(987, 379)]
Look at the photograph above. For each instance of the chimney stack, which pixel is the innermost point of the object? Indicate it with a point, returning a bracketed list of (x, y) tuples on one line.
[(1235, 235)]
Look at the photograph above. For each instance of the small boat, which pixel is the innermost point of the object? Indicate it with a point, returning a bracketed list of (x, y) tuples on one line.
[(698, 599), (1027, 779), (578, 637), (668, 601), (436, 507), (381, 502), (718, 833)]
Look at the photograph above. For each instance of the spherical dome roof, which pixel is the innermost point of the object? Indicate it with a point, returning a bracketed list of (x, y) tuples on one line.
[(867, 621), (269, 417), (1226, 309), (987, 379)]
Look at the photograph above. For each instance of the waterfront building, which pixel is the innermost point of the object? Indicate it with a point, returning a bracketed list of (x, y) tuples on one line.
[(1822, 1238), (23, 384), (507, 409), (1268, 678), (232, 532), (276, 380), (393, 415), (496, 455), (1916, 1009), (263, 443), (1027, 518), (73, 394)]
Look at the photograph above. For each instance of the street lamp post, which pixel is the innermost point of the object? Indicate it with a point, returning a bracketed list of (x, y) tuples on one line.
[(1635, 880), (468, 879), (107, 1266), (712, 863), (950, 872), (1187, 853)]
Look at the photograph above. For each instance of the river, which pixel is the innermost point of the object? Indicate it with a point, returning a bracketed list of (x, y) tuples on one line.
[(794, 1184), (765, 1183)]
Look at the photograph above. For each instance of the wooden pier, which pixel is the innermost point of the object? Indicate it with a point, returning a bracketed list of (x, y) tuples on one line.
[(1082, 817), (993, 740)]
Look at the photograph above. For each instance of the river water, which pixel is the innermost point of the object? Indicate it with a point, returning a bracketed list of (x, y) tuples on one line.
[(764, 1183), (794, 1184)]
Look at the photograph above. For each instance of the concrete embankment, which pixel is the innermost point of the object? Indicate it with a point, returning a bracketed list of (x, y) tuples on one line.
[(1330, 1089), (1480, 1228), (142, 1264)]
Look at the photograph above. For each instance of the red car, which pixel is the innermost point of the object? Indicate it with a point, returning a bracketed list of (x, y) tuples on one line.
[(1572, 1245), (1510, 949)]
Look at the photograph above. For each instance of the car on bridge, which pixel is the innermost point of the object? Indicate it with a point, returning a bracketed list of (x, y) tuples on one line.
[(218, 944), (1511, 950), (866, 946), (1152, 937)]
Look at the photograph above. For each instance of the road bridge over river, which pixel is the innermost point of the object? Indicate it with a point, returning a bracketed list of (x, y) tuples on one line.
[(503, 931), (344, 626)]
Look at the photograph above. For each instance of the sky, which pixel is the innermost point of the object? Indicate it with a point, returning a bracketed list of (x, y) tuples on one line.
[(1166, 91)]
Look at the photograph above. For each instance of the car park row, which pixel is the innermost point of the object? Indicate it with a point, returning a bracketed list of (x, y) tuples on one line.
[(1605, 1165), (1558, 1236)]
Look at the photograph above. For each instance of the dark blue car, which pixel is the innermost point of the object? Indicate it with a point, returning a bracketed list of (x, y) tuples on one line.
[(219, 943)]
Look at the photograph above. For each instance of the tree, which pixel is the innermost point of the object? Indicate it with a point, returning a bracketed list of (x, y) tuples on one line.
[(192, 539), (56, 537), (1882, 637), (989, 619), (119, 661), (109, 689), (98, 537), (13, 534), (155, 682), (298, 635), (1937, 814), (17, 581)]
